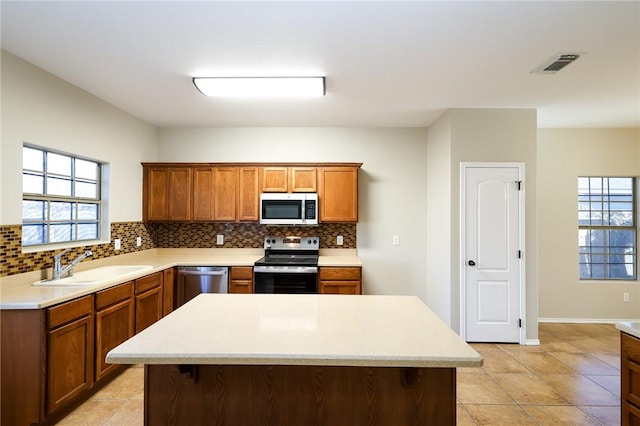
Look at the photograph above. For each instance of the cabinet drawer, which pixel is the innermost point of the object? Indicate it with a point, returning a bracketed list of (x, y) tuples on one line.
[(339, 273), (113, 295), (242, 273), (340, 287), (69, 311), (150, 281)]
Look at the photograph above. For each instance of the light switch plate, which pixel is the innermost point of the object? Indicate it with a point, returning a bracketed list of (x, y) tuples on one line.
[(220, 239), (116, 244), (139, 241), (339, 240)]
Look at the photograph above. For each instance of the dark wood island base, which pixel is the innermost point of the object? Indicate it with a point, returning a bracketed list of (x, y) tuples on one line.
[(298, 395)]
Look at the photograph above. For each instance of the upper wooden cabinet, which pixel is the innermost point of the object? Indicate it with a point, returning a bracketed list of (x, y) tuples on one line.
[(167, 193), (203, 190), (225, 190), (248, 194), (338, 194), (288, 179), (230, 192)]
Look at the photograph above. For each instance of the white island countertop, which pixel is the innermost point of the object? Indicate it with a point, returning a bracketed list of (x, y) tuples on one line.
[(326, 330)]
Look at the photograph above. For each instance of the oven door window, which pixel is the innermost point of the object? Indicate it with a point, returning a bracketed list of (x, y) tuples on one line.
[(268, 282), (281, 209)]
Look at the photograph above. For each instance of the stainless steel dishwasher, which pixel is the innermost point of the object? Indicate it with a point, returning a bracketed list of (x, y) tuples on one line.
[(193, 280)]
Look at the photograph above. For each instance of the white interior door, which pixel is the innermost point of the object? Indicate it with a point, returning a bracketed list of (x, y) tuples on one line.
[(491, 234)]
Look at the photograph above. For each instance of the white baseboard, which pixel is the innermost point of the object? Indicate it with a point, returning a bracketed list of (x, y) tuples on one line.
[(586, 320), (532, 342)]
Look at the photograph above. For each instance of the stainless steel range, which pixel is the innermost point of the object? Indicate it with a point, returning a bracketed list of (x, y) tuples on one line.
[(289, 265)]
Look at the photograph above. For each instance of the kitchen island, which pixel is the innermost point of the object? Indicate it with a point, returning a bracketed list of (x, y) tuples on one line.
[(299, 359)]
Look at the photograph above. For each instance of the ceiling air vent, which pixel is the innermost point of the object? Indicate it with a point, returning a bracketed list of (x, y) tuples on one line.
[(556, 63)]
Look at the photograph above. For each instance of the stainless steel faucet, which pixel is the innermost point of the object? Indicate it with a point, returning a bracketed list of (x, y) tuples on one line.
[(59, 270)]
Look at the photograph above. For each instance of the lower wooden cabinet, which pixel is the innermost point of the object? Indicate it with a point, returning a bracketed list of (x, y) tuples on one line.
[(148, 300), (52, 358), (70, 351), (630, 380), (114, 323), (241, 279), (340, 280)]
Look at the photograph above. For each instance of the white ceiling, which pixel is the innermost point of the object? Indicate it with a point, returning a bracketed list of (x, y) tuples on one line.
[(386, 63)]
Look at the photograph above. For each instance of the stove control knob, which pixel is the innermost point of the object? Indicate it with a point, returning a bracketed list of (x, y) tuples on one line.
[(315, 241), (308, 241)]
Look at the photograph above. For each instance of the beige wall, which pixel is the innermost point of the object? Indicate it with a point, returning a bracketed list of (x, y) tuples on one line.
[(563, 155), (439, 216), (481, 135), (392, 197), (41, 109)]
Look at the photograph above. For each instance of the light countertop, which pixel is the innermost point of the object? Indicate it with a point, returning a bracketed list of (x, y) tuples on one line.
[(16, 291), (632, 328), (269, 329)]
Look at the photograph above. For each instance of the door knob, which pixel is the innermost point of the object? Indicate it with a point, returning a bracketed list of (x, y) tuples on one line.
[(472, 263)]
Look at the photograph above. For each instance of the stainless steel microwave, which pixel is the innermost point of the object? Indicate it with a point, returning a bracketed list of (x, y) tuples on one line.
[(289, 209)]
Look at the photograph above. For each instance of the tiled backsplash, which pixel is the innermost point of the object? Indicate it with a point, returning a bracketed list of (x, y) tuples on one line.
[(13, 261), (248, 235), (165, 235)]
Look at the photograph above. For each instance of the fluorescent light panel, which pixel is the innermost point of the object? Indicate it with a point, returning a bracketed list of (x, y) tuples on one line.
[(260, 87)]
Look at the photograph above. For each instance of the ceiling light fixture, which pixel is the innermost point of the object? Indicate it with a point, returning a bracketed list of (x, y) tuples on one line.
[(260, 87)]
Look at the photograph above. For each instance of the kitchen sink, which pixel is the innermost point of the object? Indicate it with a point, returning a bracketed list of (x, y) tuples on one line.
[(96, 275)]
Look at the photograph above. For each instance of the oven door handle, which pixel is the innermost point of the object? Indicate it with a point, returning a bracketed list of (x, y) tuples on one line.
[(286, 269)]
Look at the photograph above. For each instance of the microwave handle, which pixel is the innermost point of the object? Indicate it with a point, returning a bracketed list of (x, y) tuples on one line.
[(303, 210)]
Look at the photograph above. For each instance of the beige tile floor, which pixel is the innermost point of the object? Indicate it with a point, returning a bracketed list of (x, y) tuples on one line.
[(572, 378)]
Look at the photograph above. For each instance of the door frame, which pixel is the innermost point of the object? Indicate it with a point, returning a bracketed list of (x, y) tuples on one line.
[(521, 234)]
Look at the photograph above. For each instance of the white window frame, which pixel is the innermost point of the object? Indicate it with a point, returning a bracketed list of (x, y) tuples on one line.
[(605, 228), (102, 221)]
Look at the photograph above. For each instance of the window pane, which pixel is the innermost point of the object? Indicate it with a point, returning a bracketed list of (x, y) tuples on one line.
[(86, 169), (61, 211), (34, 234), (61, 232), (34, 210), (87, 231), (58, 164), (87, 211), (32, 184), (57, 186), (32, 159), (86, 190)]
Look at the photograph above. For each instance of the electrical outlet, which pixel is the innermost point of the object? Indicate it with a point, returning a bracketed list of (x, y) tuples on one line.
[(220, 239), (339, 240), (625, 297), (139, 241), (396, 240), (116, 244)]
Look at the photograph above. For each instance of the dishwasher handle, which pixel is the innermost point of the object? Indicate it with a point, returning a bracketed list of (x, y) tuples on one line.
[(214, 273)]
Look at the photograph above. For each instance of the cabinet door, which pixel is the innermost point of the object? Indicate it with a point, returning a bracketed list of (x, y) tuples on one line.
[(168, 291), (249, 194), (155, 193), (180, 193), (114, 325), (226, 182), (303, 179), (275, 179), (338, 194), (70, 362), (148, 308), (203, 193)]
